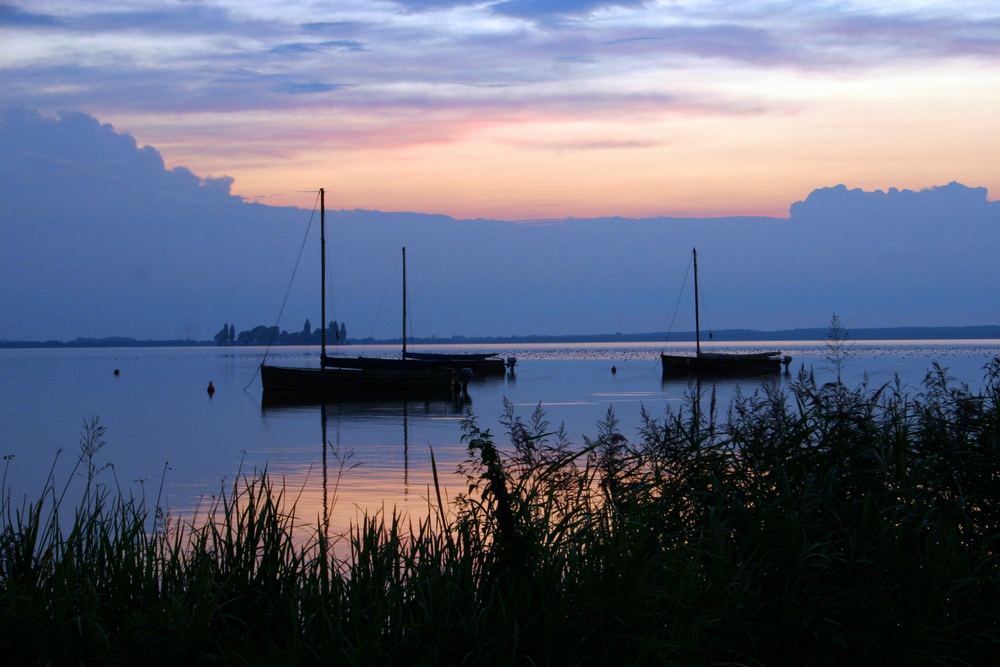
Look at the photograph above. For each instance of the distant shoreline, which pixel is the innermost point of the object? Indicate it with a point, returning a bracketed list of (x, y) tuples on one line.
[(721, 335)]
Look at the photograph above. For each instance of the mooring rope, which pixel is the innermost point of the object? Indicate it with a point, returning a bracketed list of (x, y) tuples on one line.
[(680, 294), (677, 305), (381, 303), (288, 290)]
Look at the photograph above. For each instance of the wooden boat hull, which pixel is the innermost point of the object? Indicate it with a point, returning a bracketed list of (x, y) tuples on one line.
[(721, 365), (433, 356), (481, 365), (380, 363), (359, 384), (478, 367)]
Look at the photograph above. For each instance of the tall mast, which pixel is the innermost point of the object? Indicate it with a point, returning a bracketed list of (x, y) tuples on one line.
[(697, 317), (404, 302), (322, 271)]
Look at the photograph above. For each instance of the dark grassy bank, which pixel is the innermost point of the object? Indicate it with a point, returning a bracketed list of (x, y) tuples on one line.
[(822, 526)]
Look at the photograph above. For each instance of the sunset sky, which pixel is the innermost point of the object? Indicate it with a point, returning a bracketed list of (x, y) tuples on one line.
[(523, 109)]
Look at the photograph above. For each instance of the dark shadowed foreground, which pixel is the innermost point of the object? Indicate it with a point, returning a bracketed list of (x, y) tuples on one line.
[(822, 525)]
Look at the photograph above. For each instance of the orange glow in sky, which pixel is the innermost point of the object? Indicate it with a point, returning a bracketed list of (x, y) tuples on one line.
[(478, 110)]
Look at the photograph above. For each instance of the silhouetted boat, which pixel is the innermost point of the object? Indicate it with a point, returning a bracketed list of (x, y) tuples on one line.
[(419, 380), (479, 365), (720, 364)]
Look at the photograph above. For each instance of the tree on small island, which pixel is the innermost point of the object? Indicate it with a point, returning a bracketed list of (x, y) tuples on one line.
[(226, 336), (336, 333)]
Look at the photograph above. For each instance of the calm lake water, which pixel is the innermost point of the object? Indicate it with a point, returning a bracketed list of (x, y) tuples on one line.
[(161, 423)]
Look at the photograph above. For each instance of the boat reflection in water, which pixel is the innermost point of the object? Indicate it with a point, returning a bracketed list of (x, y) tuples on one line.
[(366, 402), (708, 395), (374, 470)]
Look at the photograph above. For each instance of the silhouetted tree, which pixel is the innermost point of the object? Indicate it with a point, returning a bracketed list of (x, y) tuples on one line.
[(232, 334), (307, 328), (222, 338), (342, 337), (259, 335)]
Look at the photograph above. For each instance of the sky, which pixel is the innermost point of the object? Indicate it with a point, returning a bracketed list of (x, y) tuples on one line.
[(101, 238), (528, 109)]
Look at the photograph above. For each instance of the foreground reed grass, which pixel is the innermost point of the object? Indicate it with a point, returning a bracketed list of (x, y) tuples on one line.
[(822, 525)]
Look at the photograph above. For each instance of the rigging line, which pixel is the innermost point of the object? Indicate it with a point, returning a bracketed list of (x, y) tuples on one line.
[(329, 278), (409, 320), (288, 290), (409, 334), (381, 303), (329, 273), (680, 295)]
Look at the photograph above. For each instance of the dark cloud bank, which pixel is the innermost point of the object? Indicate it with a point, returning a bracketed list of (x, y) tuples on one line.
[(100, 239)]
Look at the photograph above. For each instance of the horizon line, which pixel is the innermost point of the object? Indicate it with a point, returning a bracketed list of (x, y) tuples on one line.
[(718, 336)]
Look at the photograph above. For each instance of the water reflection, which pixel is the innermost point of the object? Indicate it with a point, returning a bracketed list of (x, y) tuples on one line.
[(374, 455), (379, 435), (325, 445), (714, 393), (364, 410)]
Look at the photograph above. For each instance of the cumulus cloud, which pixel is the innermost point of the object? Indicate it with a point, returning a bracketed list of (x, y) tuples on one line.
[(101, 239), (911, 209), (37, 147)]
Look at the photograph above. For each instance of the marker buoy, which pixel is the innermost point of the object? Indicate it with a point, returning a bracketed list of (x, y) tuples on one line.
[(211, 389), (613, 370), (117, 372)]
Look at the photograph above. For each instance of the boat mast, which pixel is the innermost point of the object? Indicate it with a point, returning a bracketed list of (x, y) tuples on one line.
[(322, 271), (697, 318), (404, 302)]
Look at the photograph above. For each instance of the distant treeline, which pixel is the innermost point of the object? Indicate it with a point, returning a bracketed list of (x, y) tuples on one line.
[(262, 335), (112, 341), (336, 333)]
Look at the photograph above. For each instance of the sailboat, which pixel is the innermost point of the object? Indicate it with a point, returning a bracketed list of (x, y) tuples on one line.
[(355, 383), (478, 365), (719, 363)]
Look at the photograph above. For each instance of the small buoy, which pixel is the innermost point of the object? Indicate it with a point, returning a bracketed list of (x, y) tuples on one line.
[(613, 370), (211, 388), (117, 372)]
